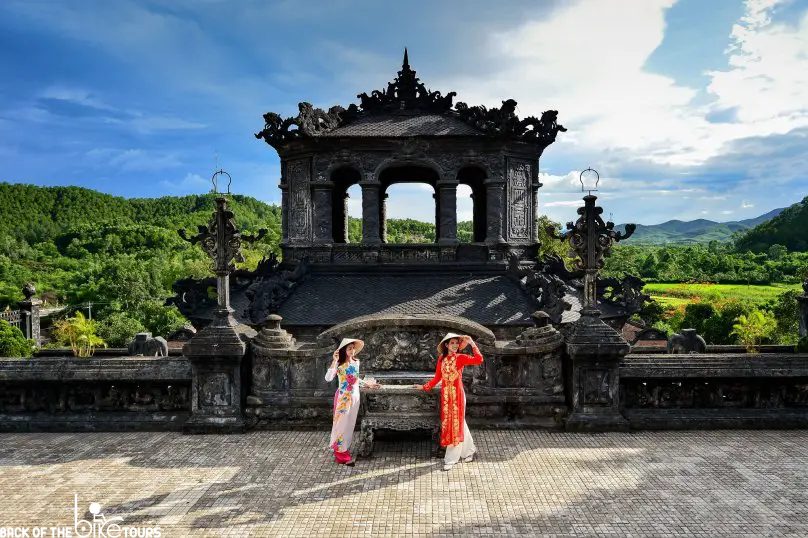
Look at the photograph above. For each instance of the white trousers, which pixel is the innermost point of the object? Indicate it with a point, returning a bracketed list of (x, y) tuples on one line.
[(460, 450)]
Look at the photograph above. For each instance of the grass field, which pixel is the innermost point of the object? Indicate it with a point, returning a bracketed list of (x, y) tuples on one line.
[(675, 295)]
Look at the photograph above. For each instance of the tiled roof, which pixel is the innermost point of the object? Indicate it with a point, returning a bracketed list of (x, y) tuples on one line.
[(385, 125), (328, 299)]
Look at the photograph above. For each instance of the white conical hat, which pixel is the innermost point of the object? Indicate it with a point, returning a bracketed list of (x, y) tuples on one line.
[(358, 344), (465, 340)]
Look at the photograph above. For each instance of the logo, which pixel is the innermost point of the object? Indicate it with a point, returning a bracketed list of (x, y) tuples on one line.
[(107, 527)]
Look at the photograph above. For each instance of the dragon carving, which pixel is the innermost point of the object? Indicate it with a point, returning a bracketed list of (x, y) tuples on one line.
[(407, 92)]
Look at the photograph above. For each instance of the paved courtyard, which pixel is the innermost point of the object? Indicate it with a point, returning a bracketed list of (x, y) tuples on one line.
[(525, 482)]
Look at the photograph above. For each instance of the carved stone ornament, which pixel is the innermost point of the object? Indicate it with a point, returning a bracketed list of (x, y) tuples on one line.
[(408, 93), (220, 239), (543, 284), (590, 255)]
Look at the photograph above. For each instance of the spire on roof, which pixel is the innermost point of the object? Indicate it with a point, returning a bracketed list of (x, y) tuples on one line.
[(406, 64)]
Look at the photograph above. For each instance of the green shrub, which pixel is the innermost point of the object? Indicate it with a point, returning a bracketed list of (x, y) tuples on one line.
[(13, 343), (118, 329)]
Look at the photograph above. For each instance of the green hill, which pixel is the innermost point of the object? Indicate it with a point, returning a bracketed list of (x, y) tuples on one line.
[(694, 231), (789, 228), (36, 214)]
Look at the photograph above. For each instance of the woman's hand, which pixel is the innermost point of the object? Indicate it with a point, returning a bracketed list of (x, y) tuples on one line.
[(335, 356), (418, 387)]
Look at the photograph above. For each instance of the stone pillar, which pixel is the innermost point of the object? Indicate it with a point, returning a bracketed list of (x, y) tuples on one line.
[(436, 201), (346, 219), (447, 216), (284, 213), (216, 353), (29, 314), (534, 212), (323, 231), (371, 211), (384, 217), (270, 370), (494, 211), (594, 351)]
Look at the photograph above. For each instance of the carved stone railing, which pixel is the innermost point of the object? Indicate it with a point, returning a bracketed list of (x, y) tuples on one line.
[(412, 253), (714, 390), (70, 394)]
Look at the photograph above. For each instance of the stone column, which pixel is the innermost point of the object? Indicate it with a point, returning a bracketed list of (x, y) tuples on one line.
[(384, 217), (216, 352), (371, 211), (594, 351), (495, 211), (436, 201), (447, 215), (323, 231), (29, 314), (284, 212), (534, 212), (346, 219)]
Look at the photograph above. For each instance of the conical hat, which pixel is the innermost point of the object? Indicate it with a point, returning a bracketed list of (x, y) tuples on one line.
[(465, 340), (358, 344)]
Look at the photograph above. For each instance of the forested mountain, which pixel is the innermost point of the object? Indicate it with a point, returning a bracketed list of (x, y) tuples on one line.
[(36, 214), (789, 228), (694, 231), (123, 255)]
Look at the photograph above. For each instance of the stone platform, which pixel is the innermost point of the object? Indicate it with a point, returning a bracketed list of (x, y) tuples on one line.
[(702, 483)]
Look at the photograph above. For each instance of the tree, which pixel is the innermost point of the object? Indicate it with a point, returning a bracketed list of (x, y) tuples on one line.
[(13, 343), (79, 333), (786, 311), (718, 327), (777, 252), (118, 329), (696, 314), (161, 320), (753, 328)]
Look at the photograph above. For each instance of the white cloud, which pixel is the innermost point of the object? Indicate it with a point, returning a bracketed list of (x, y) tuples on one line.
[(191, 184), (589, 60), (746, 205), (767, 80), (133, 160)]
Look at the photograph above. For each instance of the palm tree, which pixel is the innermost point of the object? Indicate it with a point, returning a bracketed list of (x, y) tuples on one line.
[(753, 328), (79, 333)]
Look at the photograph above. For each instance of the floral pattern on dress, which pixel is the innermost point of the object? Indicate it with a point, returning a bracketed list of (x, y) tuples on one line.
[(347, 379), (339, 444)]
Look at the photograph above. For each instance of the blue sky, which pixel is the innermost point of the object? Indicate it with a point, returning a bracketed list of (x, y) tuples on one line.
[(688, 109)]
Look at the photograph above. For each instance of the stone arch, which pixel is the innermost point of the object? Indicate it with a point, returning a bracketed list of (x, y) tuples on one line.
[(343, 176), (397, 172), (401, 341), (474, 175)]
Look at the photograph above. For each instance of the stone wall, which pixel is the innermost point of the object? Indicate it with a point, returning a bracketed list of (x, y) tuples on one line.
[(520, 382), (94, 394), (733, 390)]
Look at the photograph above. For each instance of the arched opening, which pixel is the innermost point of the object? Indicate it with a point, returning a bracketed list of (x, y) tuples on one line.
[(465, 214), (408, 195), (346, 197), (473, 178)]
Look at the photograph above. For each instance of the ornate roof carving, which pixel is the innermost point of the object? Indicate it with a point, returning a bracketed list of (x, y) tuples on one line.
[(407, 95)]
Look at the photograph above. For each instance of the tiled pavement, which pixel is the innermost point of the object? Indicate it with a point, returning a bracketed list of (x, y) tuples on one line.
[(525, 482)]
